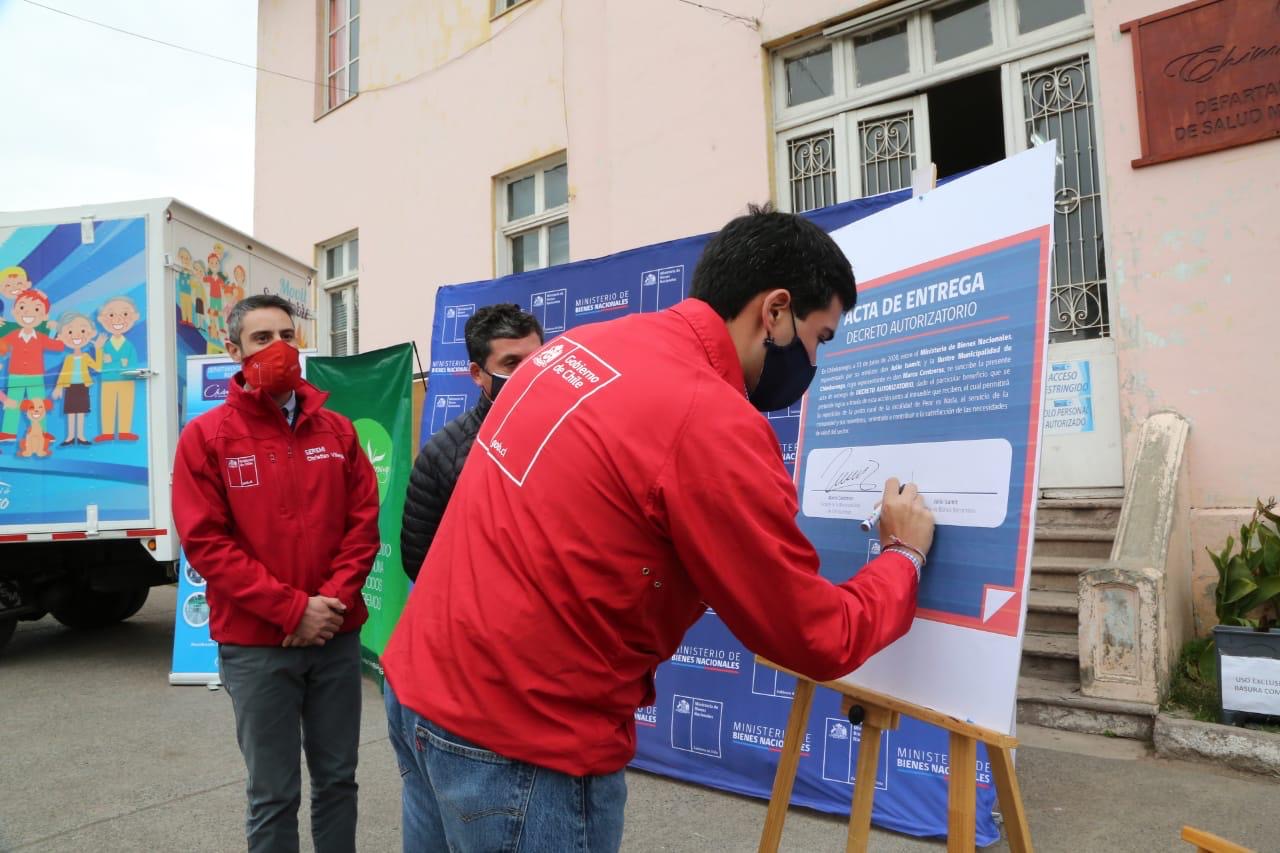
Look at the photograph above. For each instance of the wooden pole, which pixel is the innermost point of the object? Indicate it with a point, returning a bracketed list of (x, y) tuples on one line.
[(875, 723), (785, 777), (1010, 797), (962, 794)]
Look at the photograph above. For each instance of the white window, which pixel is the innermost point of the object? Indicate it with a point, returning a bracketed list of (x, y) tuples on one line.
[(960, 84), (500, 6), (341, 51), (533, 217), (339, 270)]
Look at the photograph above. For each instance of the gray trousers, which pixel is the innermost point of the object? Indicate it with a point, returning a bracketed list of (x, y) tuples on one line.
[(290, 698)]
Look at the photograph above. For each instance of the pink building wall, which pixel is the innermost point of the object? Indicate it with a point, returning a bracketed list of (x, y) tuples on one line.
[(1194, 247), (664, 111), (663, 117)]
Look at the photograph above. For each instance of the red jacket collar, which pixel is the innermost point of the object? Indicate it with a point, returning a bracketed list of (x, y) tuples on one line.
[(713, 334), (310, 398)]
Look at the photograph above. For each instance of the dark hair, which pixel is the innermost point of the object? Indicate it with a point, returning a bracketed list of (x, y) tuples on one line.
[(235, 317), (765, 250), (504, 320)]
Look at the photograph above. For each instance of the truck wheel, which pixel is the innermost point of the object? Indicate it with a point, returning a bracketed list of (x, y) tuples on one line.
[(89, 609), (7, 627), (133, 600)]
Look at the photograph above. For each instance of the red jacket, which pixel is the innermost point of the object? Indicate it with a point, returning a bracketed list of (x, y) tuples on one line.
[(620, 485), (271, 516)]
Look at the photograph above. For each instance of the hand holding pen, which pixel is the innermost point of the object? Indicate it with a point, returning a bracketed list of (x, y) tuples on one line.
[(903, 518)]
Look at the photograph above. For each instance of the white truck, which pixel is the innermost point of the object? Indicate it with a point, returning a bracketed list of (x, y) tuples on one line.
[(100, 306)]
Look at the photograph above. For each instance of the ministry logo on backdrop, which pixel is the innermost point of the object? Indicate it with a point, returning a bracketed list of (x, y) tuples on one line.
[(763, 736), (603, 303), (709, 658)]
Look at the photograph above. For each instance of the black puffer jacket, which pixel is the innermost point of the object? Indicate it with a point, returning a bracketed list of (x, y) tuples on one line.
[(435, 473)]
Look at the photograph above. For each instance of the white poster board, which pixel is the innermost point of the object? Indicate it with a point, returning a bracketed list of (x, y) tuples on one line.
[(957, 408)]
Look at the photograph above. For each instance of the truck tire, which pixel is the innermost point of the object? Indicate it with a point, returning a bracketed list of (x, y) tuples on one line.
[(89, 609), (7, 627)]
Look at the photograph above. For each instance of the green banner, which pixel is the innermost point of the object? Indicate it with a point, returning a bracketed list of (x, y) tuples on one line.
[(375, 390)]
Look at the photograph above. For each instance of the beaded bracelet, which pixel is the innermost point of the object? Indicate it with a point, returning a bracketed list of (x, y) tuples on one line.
[(896, 541), (915, 561)]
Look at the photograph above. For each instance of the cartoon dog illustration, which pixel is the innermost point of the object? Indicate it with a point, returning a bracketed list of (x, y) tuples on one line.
[(36, 442)]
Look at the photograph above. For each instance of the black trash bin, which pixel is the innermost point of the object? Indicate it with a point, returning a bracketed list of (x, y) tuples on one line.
[(1248, 643)]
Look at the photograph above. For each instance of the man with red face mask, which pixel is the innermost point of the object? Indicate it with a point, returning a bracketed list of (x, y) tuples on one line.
[(277, 507)]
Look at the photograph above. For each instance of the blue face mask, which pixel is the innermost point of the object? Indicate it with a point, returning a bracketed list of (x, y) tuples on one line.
[(786, 375)]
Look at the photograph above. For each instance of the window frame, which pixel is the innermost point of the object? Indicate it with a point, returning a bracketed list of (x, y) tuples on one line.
[(328, 74), (496, 12), (1007, 46), (540, 221), (345, 282)]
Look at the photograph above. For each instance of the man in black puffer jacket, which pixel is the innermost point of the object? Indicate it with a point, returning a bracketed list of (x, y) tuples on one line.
[(499, 337)]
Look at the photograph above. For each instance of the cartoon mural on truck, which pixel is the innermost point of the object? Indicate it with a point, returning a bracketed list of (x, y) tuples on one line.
[(73, 339), (210, 277)]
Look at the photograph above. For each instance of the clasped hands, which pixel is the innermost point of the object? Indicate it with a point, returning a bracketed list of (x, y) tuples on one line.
[(320, 622)]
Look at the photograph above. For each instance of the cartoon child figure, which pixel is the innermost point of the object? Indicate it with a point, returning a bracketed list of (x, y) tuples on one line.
[(119, 356), (215, 333), (76, 333), (13, 283), (26, 348), (36, 442), (213, 282), (198, 295), (184, 284), (238, 289)]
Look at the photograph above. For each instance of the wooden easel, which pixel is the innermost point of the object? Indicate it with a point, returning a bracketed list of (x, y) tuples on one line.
[(877, 714)]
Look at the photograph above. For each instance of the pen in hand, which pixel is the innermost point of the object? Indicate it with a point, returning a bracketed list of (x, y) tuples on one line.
[(873, 519)]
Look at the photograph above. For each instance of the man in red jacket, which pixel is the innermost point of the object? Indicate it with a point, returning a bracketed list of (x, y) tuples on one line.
[(277, 507), (624, 482)]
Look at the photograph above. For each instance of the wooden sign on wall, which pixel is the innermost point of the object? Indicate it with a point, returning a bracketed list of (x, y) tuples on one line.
[(1208, 76)]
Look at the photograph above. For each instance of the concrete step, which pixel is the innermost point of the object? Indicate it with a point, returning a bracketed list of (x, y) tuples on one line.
[(1093, 542), (1058, 573), (1060, 705), (1053, 611), (1051, 656), (1094, 512)]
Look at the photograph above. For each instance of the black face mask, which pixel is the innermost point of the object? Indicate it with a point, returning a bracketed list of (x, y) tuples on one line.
[(497, 380), (786, 375)]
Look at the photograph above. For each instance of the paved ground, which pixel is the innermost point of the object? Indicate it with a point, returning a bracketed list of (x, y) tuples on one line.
[(98, 753)]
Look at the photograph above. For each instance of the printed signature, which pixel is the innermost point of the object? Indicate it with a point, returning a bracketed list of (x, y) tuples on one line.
[(846, 473)]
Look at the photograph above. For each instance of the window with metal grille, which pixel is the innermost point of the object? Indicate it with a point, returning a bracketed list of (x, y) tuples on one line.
[(813, 171), (887, 148), (1058, 104)]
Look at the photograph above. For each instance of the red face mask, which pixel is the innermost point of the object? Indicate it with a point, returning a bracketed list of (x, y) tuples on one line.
[(274, 369)]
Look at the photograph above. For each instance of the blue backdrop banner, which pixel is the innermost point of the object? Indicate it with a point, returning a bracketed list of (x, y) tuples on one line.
[(719, 719)]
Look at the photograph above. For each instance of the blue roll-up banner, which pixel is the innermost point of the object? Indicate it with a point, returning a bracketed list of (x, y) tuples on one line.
[(719, 718), (195, 655)]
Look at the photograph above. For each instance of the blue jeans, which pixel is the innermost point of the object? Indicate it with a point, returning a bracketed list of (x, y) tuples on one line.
[(462, 798)]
